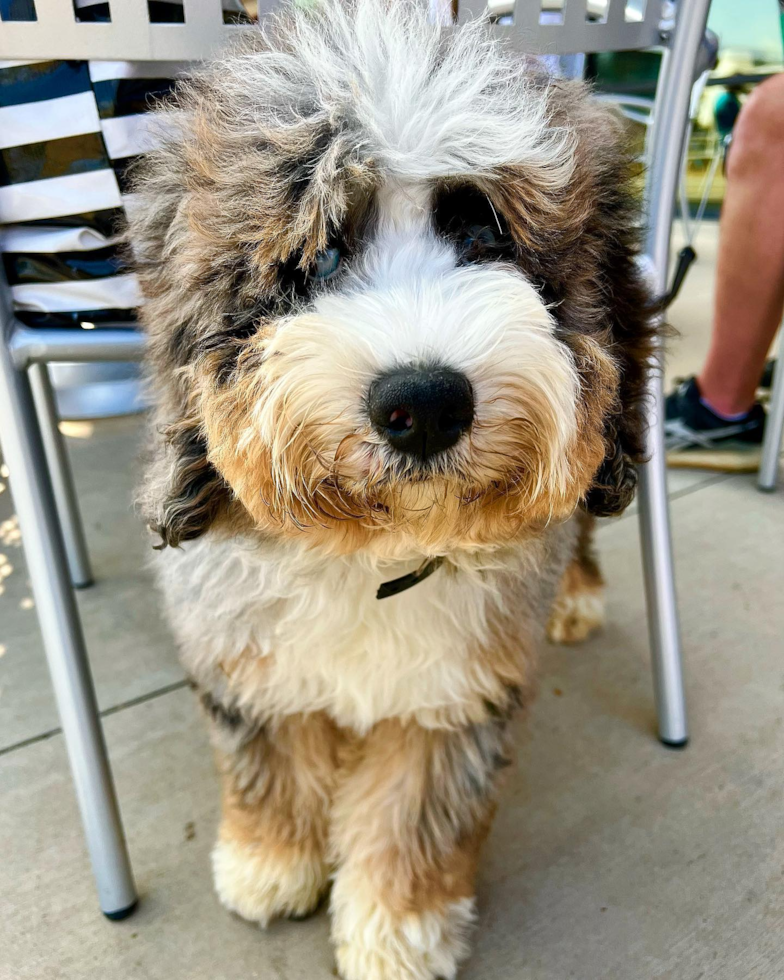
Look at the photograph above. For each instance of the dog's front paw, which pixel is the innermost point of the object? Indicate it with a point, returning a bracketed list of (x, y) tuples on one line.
[(373, 943), (261, 884), (576, 613)]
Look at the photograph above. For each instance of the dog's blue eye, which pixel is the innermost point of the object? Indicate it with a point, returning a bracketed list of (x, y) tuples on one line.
[(326, 263), (479, 235)]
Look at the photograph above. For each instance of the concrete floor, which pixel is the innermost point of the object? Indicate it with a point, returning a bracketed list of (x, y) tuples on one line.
[(612, 857)]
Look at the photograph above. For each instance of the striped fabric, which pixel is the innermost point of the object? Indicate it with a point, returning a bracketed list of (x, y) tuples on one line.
[(68, 132)]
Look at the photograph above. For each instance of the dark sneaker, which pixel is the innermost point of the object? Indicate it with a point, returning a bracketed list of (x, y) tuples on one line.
[(697, 437)]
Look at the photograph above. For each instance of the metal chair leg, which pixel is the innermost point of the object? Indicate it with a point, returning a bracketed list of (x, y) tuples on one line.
[(774, 427), (656, 544), (63, 639), (665, 143), (61, 477)]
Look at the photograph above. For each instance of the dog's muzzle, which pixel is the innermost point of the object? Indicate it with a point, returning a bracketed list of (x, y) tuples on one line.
[(421, 411)]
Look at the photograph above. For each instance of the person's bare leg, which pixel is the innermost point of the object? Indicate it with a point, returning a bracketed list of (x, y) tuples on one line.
[(750, 273)]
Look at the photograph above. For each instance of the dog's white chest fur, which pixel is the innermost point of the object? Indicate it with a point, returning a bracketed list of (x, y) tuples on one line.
[(303, 632)]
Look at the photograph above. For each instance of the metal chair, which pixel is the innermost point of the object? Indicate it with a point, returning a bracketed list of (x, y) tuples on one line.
[(774, 426), (25, 352)]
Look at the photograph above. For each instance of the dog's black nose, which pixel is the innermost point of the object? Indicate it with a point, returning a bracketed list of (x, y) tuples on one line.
[(421, 411)]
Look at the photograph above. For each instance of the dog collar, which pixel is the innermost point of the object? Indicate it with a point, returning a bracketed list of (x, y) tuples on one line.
[(398, 585)]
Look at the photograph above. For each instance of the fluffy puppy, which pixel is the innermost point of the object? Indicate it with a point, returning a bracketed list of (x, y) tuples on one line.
[(396, 338)]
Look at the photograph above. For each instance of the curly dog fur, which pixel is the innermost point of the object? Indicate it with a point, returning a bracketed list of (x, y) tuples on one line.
[(355, 192)]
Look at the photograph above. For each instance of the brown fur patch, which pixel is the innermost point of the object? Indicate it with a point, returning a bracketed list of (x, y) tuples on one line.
[(578, 609), (585, 551), (277, 787), (408, 807), (412, 808)]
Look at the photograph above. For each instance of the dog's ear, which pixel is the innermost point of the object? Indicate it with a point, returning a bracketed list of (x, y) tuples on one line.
[(184, 493), (614, 483), (626, 316), (631, 325), (197, 302), (630, 336), (577, 235)]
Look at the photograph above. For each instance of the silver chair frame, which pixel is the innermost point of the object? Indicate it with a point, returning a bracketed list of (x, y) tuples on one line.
[(774, 426), (38, 472)]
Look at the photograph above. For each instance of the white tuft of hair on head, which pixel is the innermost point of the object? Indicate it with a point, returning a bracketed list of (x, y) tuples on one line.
[(421, 99)]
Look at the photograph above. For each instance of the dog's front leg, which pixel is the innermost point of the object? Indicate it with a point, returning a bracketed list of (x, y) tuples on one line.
[(410, 814), (277, 780)]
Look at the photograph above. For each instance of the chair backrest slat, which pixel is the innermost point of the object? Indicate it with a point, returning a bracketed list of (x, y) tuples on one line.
[(577, 33), (525, 17), (131, 37), (617, 13), (574, 15)]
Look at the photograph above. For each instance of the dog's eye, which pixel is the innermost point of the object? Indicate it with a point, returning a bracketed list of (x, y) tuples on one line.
[(478, 236), (468, 219), (326, 264)]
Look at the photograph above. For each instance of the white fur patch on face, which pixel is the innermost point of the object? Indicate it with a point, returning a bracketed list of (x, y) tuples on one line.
[(407, 302), (373, 944), (403, 206)]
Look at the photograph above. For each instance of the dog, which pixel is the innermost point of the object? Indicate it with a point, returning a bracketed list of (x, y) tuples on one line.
[(397, 341)]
